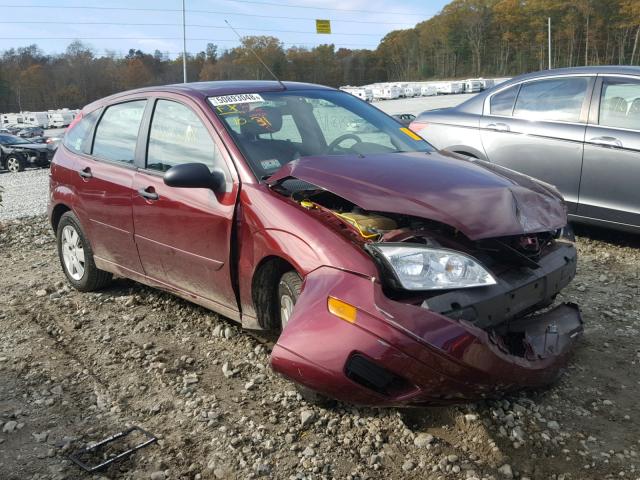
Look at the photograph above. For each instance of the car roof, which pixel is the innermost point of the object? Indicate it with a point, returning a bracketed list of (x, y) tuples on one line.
[(474, 105), (213, 89)]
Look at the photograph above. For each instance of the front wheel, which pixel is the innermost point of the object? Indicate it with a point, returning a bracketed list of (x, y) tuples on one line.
[(76, 256), (15, 163), (289, 289)]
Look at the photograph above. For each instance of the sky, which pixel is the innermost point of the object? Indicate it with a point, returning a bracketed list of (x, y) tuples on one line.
[(149, 25)]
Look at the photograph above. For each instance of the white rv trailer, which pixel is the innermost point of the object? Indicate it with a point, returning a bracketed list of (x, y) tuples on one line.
[(448, 88), (39, 119), (359, 92), (473, 85), (428, 90), (11, 119), (487, 83), (385, 91), (60, 118)]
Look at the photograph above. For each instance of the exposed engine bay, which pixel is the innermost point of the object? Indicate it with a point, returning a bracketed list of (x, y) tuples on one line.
[(530, 269)]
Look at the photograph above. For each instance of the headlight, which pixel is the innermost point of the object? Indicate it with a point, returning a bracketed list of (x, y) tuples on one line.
[(417, 267)]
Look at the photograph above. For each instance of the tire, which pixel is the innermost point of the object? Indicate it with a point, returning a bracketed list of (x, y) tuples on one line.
[(76, 256), (289, 287), (15, 163)]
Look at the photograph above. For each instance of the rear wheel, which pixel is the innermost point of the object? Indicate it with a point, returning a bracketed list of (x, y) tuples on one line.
[(15, 163), (76, 256), (289, 289)]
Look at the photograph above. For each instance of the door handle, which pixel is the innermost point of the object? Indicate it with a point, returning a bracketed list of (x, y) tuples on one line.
[(148, 193), (85, 173), (500, 127), (606, 141)]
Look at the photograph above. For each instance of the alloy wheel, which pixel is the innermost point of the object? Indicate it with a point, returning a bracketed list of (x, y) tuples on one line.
[(13, 164), (286, 309), (72, 252)]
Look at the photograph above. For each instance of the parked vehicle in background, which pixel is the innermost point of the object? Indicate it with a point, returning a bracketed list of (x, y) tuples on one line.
[(487, 83), (448, 88), (396, 275), (576, 128), (472, 85), (385, 92), (17, 153), (13, 129), (404, 118), (361, 92), (11, 119), (428, 90), (60, 118), (29, 132), (36, 119)]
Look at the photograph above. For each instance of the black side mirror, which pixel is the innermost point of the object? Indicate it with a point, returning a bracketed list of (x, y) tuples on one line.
[(194, 175)]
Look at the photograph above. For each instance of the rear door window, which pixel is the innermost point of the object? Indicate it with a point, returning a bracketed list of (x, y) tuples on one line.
[(620, 103), (554, 99), (117, 132), (502, 103)]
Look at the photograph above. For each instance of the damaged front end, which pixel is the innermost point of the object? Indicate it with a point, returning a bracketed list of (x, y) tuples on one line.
[(455, 314)]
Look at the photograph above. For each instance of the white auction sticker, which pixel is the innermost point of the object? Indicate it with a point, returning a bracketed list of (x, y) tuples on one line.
[(237, 98)]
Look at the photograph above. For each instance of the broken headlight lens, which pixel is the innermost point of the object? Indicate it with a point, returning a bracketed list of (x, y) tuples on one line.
[(417, 267)]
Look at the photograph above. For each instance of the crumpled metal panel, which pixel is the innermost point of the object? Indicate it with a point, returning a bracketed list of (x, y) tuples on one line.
[(480, 200)]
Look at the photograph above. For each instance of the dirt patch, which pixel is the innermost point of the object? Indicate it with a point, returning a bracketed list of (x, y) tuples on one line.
[(75, 368)]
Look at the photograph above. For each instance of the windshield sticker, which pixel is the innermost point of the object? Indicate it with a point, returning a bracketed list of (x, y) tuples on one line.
[(411, 134), (270, 164), (235, 99)]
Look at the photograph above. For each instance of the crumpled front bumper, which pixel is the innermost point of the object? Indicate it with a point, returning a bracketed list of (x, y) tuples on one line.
[(402, 354)]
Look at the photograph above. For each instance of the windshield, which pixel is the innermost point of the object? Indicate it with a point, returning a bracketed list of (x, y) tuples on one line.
[(274, 128), (11, 140)]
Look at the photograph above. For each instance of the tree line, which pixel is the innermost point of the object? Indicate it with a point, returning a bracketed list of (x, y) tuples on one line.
[(468, 38)]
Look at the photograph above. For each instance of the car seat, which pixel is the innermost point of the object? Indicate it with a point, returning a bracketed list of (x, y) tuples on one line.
[(266, 154)]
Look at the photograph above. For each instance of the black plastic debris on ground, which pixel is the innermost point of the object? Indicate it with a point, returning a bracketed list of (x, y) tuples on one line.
[(104, 453)]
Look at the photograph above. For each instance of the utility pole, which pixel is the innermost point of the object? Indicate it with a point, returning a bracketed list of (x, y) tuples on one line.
[(549, 39), (586, 44), (184, 42)]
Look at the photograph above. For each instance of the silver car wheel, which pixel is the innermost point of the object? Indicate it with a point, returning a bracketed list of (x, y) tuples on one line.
[(72, 252), (286, 309), (13, 164)]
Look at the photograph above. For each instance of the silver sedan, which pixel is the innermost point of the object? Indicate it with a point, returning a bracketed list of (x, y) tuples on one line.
[(575, 128)]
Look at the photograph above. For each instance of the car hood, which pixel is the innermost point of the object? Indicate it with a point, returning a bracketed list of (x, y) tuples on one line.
[(480, 199), (28, 146)]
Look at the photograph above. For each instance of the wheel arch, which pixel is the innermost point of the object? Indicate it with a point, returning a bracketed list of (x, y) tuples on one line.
[(56, 214), (264, 289)]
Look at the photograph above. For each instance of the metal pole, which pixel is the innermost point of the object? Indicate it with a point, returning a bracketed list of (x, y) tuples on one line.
[(549, 39), (184, 42)]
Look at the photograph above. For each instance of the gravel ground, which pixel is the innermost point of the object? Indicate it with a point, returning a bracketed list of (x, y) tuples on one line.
[(77, 367), (25, 193)]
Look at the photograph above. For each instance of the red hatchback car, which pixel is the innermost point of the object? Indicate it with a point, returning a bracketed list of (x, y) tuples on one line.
[(398, 275)]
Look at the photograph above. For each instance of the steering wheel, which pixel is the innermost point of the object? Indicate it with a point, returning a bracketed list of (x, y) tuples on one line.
[(341, 139)]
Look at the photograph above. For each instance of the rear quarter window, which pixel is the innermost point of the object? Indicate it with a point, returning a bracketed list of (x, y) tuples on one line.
[(77, 139), (502, 103)]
